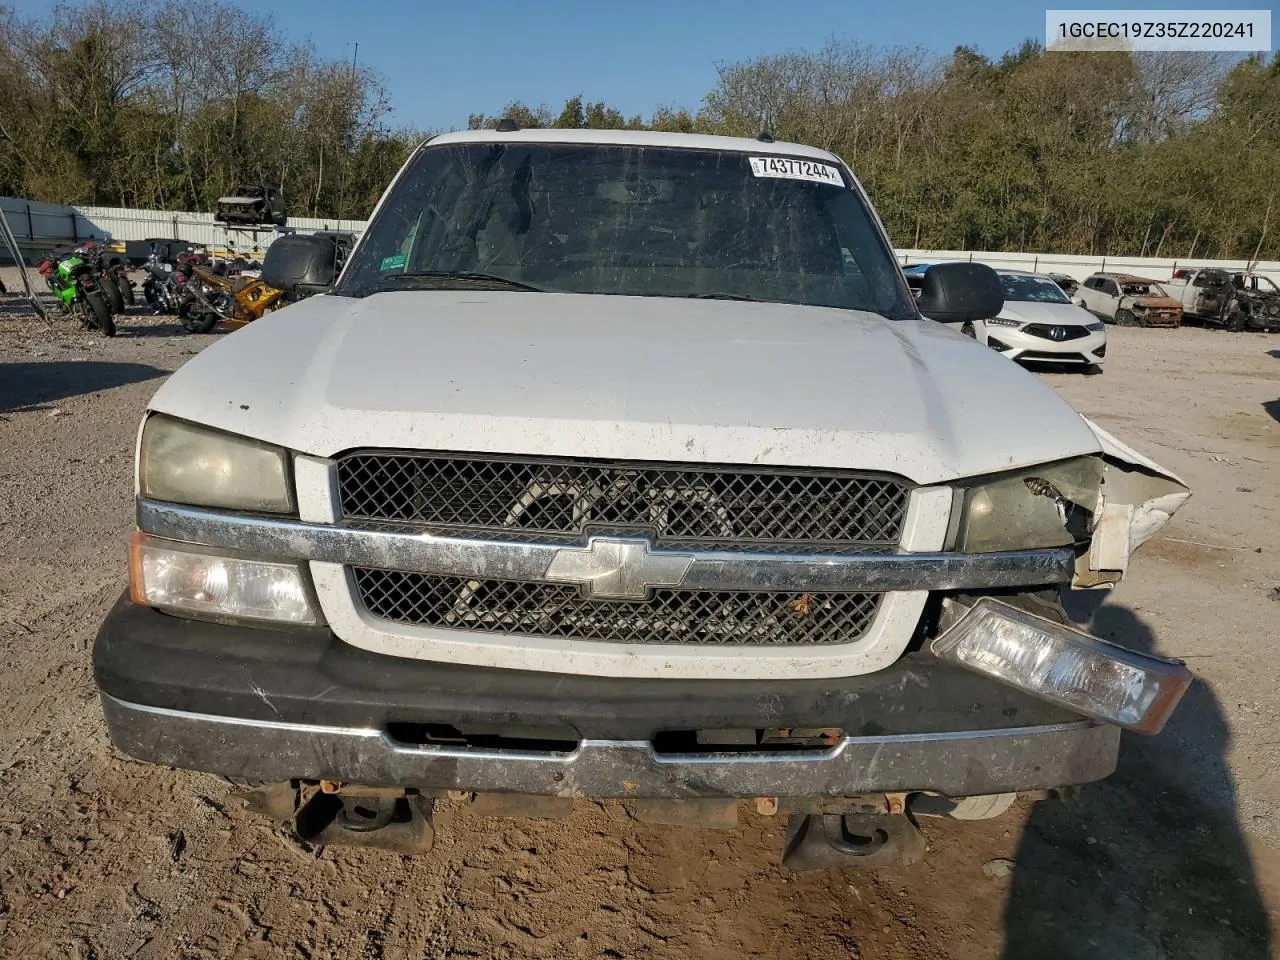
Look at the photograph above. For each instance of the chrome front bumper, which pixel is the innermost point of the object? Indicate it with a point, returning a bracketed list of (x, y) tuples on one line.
[(953, 763)]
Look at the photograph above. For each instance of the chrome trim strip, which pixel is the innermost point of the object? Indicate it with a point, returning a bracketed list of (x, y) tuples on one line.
[(284, 538)]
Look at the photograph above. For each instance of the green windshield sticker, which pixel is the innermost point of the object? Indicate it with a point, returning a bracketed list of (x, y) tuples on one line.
[(392, 263)]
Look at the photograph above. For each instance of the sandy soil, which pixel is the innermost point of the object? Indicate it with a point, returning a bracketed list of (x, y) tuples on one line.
[(1178, 855)]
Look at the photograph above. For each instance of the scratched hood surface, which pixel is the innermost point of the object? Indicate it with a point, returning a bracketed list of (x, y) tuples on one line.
[(639, 378)]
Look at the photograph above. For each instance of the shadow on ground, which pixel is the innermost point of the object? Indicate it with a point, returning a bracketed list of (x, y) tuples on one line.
[(17, 306), (28, 384), (1272, 407), (1144, 865)]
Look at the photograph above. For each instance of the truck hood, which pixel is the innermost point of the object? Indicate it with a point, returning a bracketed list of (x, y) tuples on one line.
[(639, 378)]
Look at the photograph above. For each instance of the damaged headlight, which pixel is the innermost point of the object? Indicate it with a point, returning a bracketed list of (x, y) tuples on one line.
[(1065, 666), (1044, 506)]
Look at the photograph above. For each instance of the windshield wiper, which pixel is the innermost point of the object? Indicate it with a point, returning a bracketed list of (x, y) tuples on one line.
[(467, 276), (725, 296)]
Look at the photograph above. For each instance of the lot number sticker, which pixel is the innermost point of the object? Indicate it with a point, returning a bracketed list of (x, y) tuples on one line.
[(788, 169)]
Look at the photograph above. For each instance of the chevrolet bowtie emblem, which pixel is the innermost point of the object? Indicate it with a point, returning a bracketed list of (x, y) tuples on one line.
[(618, 569)]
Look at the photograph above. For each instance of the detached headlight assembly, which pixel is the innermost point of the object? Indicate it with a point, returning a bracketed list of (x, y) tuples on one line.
[(1044, 506), (1064, 666), (183, 462)]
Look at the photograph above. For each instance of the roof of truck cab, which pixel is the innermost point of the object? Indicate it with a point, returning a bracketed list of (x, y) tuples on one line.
[(636, 138)]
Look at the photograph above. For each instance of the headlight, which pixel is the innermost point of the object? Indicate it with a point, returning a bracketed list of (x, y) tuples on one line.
[(1004, 322), (1044, 506), (1096, 327), (1065, 666), (189, 579), (185, 463)]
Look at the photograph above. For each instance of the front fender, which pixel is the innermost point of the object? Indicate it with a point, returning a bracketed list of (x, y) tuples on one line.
[(1137, 498)]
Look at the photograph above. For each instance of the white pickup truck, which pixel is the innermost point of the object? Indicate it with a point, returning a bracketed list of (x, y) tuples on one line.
[(1237, 301), (624, 465)]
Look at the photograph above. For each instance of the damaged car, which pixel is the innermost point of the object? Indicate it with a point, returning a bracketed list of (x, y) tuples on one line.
[(623, 465), (1127, 301), (1237, 301), (250, 206)]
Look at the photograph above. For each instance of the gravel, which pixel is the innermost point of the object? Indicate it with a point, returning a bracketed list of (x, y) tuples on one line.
[(1176, 855)]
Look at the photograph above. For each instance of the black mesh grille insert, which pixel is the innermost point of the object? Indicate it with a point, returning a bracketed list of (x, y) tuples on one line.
[(1058, 332), (711, 507), (668, 616)]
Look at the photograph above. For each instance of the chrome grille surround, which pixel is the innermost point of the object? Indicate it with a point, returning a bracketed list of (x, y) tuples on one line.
[(672, 507)]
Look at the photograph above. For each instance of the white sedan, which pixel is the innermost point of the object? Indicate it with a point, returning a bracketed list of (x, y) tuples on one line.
[(1039, 323)]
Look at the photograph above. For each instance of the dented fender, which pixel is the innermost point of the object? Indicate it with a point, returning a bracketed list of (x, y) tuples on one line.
[(1137, 498)]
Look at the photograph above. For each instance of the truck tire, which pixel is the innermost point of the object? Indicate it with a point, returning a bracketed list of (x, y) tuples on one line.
[(114, 299), (100, 313)]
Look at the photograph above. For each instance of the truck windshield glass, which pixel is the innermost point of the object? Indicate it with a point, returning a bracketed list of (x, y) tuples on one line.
[(1031, 288), (631, 220)]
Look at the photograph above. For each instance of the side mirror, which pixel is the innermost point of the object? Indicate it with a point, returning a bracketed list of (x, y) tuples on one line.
[(960, 293), (301, 265)]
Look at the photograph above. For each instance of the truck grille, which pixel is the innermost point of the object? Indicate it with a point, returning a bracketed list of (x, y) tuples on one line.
[(668, 616), (686, 506)]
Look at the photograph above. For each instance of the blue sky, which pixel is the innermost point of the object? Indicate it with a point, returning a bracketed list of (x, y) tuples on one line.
[(442, 61)]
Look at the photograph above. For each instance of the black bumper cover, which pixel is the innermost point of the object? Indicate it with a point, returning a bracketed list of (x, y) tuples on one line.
[(308, 676)]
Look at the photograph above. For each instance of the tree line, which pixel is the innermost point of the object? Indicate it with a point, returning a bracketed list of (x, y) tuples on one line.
[(155, 103), (166, 104)]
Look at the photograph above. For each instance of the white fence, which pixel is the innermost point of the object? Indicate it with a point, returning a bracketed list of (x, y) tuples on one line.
[(38, 226), (41, 225), (1079, 267)]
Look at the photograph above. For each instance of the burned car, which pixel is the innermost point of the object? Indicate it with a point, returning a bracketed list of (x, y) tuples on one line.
[(1127, 300), (1236, 301), (255, 205), (1255, 305), (624, 465), (1067, 283)]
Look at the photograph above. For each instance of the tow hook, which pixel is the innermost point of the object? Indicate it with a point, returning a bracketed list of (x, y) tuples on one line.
[(818, 841), (366, 817)]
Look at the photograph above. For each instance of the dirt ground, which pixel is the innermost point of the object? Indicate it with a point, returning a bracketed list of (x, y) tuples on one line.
[(1177, 856)]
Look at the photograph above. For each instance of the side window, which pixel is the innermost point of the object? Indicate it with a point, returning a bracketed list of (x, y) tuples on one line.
[(1110, 289), (1091, 283)]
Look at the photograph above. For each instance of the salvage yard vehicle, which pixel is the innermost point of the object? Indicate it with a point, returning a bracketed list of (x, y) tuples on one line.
[(1128, 301), (211, 297), (1040, 323), (113, 275), (75, 283), (1066, 282), (138, 252), (620, 464), (1237, 301), (256, 205)]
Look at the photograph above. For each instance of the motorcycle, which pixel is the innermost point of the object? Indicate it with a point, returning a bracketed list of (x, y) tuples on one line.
[(159, 286), (233, 298), (75, 284), (113, 274)]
